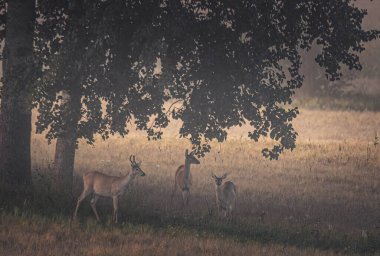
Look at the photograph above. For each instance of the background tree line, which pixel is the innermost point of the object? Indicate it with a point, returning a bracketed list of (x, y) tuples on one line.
[(359, 83)]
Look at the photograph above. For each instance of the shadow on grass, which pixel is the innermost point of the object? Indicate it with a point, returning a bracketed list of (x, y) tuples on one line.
[(51, 205), (261, 233)]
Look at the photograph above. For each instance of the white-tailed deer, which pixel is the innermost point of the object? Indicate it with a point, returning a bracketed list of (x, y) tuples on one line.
[(225, 195), (100, 184), (183, 179)]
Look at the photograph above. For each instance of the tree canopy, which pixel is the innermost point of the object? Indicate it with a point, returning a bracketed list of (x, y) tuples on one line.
[(226, 62)]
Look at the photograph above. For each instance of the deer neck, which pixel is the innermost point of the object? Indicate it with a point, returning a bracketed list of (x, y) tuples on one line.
[(126, 180), (187, 170), (218, 190), (220, 196)]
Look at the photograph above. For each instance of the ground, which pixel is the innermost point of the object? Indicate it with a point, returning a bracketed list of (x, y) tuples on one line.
[(321, 199)]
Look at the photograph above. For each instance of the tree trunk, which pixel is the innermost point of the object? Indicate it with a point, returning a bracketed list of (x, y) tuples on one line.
[(66, 142), (71, 103), (64, 162), (18, 73), (314, 74)]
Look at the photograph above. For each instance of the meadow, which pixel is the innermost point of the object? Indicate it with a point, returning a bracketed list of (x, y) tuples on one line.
[(323, 198)]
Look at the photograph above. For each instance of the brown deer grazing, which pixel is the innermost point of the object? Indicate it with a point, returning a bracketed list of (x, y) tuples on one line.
[(100, 184), (225, 195), (183, 179)]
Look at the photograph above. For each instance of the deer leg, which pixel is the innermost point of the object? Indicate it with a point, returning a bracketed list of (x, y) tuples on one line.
[(185, 197), (115, 208), (229, 213), (174, 191), (233, 212), (84, 194), (93, 206), (220, 211), (188, 198)]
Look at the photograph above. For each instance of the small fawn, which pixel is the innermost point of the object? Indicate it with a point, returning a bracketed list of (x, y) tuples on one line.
[(225, 195)]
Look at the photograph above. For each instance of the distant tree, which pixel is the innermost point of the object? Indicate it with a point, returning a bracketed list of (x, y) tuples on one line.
[(19, 71), (317, 84), (314, 78)]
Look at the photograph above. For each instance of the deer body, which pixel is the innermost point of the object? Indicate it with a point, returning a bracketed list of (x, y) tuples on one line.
[(183, 178), (99, 184), (225, 195), (105, 185)]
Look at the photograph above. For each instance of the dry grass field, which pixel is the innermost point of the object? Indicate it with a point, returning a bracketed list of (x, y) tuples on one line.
[(321, 199)]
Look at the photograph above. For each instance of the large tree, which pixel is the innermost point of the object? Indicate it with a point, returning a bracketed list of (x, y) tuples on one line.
[(19, 72), (64, 74), (237, 62), (226, 62), (77, 76)]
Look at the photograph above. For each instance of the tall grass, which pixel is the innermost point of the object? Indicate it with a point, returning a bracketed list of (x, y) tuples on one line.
[(323, 195)]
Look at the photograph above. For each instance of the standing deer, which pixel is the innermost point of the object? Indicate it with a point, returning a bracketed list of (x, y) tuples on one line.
[(225, 195), (183, 179), (100, 184)]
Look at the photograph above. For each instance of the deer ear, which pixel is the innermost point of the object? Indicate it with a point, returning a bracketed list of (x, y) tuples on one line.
[(213, 175), (224, 176), (186, 152)]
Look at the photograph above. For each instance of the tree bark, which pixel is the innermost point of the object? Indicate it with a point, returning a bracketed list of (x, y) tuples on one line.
[(66, 142), (64, 162), (16, 94), (314, 74), (71, 103)]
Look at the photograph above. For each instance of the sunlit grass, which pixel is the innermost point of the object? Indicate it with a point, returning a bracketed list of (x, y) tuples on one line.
[(322, 196)]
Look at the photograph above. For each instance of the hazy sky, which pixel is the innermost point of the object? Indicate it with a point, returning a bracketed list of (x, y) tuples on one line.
[(373, 18)]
